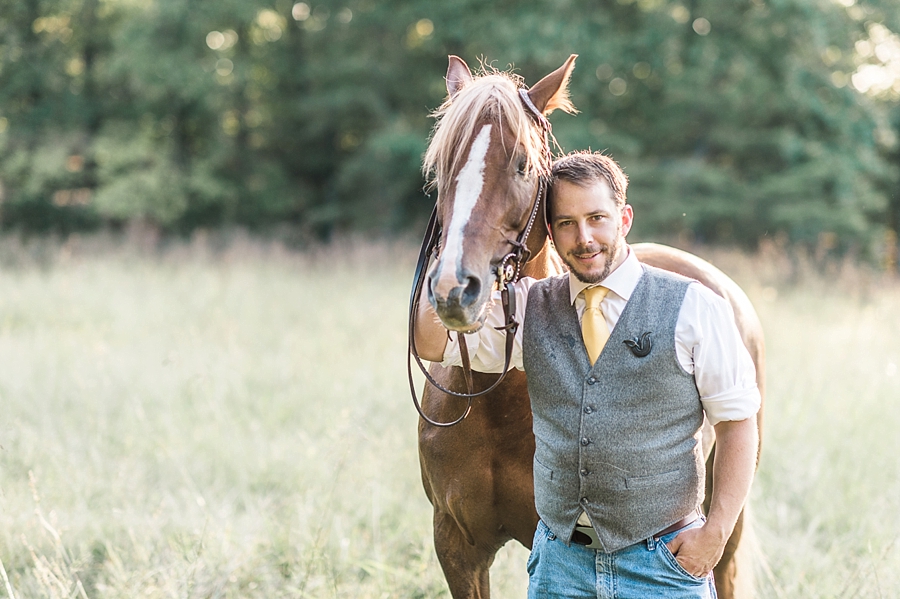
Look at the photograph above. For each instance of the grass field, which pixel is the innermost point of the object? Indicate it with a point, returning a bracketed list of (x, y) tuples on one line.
[(234, 422)]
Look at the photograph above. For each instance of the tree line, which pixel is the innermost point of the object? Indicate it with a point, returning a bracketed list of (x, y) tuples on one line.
[(735, 121)]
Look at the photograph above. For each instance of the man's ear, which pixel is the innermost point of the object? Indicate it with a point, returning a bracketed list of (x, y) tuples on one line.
[(552, 91), (458, 75), (627, 219)]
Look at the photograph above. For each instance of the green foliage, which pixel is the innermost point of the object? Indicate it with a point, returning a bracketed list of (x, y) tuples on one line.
[(735, 121)]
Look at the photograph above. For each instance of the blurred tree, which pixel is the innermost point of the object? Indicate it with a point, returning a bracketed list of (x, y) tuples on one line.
[(729, 120), (160, 146), (735, 121), (49, 107)]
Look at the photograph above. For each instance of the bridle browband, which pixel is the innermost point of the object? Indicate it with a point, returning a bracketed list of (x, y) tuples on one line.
[(508, 272)]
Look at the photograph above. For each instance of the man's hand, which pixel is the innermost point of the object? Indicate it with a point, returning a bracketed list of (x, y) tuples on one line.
[(431, 336), (698, 550)]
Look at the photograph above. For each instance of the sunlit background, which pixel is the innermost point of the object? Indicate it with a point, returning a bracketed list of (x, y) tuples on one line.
[(208, 214)]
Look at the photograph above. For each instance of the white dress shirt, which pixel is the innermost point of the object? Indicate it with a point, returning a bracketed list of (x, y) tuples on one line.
[(707, 342)]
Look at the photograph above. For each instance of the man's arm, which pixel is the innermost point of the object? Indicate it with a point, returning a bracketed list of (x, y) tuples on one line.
[(430, 334), (698, 550)]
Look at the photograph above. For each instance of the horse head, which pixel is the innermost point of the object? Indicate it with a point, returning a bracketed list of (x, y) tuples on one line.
[(486, 157)]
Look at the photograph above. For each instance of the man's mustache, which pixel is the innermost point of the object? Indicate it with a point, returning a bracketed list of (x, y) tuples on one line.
[(583, 250)]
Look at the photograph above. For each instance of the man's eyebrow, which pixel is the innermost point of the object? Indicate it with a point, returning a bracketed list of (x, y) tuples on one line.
[(600, 211)]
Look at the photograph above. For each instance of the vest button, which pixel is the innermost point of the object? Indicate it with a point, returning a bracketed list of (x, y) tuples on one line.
[(591, 381), (584, 472), (585, 440), (588, 409), (584, 500)]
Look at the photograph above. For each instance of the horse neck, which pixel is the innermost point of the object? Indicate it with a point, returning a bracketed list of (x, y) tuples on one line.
[(545, 262)]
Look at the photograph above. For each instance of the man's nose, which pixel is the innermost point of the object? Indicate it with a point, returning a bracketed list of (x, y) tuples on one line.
[(584, 233)]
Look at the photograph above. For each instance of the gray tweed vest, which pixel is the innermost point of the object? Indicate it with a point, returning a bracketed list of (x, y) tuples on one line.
[(619, 440)]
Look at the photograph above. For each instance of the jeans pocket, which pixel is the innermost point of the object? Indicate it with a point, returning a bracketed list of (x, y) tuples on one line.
[(670, 559), (541, 534)]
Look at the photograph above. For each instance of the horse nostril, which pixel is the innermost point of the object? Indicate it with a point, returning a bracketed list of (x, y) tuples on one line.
[(472, 291), (429, 290)]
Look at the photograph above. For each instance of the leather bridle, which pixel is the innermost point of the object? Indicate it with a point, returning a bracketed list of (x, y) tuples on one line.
[(508, 272)]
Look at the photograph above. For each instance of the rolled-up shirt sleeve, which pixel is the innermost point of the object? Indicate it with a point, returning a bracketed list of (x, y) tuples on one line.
[(487, 346), (723, 369)]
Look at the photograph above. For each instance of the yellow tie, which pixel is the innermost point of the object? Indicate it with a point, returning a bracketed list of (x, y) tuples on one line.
[(593, 323)]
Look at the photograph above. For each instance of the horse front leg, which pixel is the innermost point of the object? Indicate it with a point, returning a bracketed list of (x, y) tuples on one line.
[(466, 564)]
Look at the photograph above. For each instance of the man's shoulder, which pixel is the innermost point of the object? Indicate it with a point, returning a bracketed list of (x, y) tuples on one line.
[(666, 276), (666, 286), (694, 291), (551, 284), (708, 300)]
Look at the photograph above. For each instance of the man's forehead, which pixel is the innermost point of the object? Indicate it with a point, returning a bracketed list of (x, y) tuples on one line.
[(590, 196)]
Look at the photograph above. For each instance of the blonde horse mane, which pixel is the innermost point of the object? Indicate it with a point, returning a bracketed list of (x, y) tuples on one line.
[(493, 95)]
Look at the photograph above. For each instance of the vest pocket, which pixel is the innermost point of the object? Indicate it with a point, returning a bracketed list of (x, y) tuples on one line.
[(541, 471), (654, 480)]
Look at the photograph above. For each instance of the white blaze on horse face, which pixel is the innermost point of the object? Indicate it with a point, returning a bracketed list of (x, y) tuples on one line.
[(469, 184)]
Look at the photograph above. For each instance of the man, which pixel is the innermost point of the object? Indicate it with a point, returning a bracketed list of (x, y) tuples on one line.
[(623, 361)]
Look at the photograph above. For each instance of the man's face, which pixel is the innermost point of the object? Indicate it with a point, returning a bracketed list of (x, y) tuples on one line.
[(589, 229)]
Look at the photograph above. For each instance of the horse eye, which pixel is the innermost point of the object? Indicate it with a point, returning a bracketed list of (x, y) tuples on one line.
[(521, 167)]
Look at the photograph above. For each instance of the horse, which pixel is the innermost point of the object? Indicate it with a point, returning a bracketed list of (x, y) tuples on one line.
[(478, 474)]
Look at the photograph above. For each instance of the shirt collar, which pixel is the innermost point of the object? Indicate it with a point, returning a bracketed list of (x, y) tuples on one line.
[(621, 281)]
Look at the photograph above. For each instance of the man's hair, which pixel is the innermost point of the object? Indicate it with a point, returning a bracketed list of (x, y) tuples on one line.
[(585, 168)]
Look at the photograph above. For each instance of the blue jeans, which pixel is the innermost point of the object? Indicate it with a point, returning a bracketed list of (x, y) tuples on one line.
[(640, 571)]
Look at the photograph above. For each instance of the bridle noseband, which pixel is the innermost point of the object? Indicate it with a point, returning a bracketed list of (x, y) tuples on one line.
[(508, 272)]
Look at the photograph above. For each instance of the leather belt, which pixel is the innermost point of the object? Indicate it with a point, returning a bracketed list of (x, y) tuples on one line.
[(587, 536)]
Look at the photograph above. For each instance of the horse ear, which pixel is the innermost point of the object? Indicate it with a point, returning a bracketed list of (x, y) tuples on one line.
[(552, 91), (458, 74)]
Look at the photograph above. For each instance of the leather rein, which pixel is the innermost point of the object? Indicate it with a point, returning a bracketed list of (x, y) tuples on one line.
[(508, 272)]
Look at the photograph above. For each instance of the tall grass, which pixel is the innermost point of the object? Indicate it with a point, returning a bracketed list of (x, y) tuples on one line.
[(232, 420)]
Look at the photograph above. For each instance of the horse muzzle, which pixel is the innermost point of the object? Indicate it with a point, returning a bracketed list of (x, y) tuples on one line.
[(459, 303)]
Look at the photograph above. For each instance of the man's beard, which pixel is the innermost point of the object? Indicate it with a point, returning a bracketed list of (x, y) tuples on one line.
[(609, 251)]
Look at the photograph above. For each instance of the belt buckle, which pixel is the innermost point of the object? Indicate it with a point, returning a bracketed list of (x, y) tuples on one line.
[(589, 531)]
